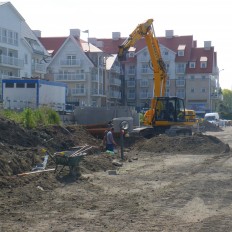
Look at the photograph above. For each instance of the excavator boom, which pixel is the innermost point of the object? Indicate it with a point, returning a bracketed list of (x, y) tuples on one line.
[(161, 115)]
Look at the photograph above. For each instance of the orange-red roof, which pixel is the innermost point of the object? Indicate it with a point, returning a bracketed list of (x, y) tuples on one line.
[(52, 44)]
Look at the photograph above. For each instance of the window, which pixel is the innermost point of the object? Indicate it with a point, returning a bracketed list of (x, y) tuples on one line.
[(131, 54), (192, 77), (203, 65), (203, 77), (203, 90), (192, 64), (71, 59), (30, 85), (180, 68), (192, 90), (181, 49), (167, 67), (9, 85), (20, 85), (203, 61), (180, 53)]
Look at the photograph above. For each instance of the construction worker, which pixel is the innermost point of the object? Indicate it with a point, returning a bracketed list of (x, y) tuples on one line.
[(110, 142)]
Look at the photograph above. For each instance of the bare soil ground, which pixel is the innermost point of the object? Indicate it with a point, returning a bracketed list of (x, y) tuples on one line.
[(164, 184)]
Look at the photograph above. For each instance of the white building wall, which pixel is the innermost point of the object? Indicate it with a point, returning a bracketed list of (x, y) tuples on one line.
[(9, 18), (43, 94), (50, 94)]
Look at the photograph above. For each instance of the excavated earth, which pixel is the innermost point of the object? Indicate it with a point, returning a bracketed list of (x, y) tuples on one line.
[(162, 184)]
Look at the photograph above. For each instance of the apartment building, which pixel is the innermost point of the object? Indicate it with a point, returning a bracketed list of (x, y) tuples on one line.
[(192, 72), (93, 74), (21, 53)]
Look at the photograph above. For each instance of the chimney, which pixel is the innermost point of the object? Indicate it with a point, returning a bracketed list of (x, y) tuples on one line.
[(75, 33), (207, 45), (37, 33), (116, 35), (169, 33)]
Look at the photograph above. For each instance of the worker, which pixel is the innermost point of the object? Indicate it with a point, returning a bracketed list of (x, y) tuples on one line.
[(171, 111), (110, 142)]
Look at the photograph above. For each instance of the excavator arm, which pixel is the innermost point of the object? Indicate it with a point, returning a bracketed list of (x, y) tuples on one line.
[(146, 30), (165, 113)]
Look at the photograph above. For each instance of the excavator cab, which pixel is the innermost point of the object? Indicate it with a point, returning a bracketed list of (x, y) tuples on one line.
[(169, 109), (168, 116)]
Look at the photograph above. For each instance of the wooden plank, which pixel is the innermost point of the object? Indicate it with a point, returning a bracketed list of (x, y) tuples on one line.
[(39, 171)]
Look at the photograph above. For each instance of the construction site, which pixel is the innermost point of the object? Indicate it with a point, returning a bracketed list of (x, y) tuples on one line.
[(181, 183)]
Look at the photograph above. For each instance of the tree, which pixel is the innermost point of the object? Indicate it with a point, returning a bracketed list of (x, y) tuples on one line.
[(225, 107), (227, 99)]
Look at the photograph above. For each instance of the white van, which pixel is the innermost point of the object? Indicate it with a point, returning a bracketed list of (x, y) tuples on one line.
[(213, 118)]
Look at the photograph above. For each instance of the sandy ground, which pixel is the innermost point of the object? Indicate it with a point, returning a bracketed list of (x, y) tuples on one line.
[(153, 192)]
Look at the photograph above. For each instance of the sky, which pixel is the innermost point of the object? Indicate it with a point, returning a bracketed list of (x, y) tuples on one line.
[(205, 20)]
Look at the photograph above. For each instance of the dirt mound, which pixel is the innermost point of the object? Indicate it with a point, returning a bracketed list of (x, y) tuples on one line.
[(20, 149), (207, 126), (196, 144)]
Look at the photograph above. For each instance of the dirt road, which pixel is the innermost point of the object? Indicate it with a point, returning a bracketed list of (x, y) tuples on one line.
[(153, 192)]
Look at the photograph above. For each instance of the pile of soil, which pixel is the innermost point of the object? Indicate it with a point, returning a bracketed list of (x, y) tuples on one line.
[(196, 144), (20, 148), (207, 126)]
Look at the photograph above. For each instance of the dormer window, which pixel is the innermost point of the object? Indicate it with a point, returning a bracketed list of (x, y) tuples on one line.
[(181, 49), (192, 64), (131, 54), (203, 61)]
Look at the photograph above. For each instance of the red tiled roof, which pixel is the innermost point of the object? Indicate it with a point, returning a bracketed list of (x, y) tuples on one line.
[(110, 46), (196, 54), (52, 43), (173, 43)]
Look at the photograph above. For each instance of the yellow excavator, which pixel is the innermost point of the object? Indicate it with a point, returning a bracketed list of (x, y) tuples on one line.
[(166, 114)]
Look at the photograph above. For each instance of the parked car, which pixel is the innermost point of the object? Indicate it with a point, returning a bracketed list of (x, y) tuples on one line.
[(213, 118)]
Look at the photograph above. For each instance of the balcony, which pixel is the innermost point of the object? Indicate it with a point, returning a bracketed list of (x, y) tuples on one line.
[(144, 83), (39, 68), (146, 71), (131, 96), (70, 63), (3, 76), (115, 81), (180, 83), (78, 92), (146, 95), (11, 61), (180, 70), (115, 94), (94, 78), (216, 96), (131, 72), (115, 69), (70, 77), (95, 92), (131, 84)]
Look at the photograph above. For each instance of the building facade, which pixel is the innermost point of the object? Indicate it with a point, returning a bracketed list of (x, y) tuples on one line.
[(21, 53), (192, 72), (93, 74)]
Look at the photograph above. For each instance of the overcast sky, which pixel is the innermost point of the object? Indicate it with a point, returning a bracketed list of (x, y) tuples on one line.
[(206, 20)]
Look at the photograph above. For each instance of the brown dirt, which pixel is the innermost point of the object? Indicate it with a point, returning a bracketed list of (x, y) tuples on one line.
[(152, 191)]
